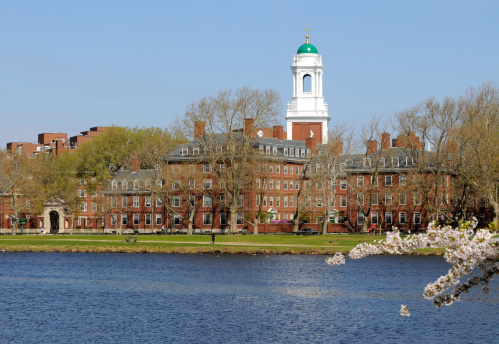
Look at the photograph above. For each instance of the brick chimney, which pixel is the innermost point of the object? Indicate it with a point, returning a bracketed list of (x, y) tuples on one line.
[(372, 146), (248, 126), (338, 148), (385, 141), (135, 165), (199, 129), (311, 144), (278, 132)]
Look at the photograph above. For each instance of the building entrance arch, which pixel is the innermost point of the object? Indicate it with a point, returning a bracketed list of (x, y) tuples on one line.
[(54, 222)]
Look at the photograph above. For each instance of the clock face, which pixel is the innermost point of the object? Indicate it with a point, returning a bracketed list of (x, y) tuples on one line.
[(259, 133)]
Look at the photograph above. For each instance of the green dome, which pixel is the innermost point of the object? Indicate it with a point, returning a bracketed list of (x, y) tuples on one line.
[(307, 48)]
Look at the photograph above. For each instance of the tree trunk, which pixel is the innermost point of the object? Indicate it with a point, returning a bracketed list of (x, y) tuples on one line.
[(233, 217), (190, 219), (255, 227)]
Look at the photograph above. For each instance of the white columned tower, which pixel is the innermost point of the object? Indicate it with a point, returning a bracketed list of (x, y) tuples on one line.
[(307, 113)]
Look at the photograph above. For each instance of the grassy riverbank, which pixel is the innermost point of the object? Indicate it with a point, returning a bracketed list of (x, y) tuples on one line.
[(230, 244)]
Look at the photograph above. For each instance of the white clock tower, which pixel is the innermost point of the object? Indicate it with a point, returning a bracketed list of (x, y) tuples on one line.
[(307, 113)]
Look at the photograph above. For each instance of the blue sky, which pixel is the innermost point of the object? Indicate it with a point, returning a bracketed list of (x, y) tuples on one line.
[(66, 66)]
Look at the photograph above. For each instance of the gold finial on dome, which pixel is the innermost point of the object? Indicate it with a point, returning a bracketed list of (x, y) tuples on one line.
[(306, 29)]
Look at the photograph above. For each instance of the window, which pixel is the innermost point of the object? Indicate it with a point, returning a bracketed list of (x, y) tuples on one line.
[(417, 218), (291, 185), (185, 150), (192, 168), (388, 180), (195, 150), (291, 201), (388, 218), (367, 162), (290, 169), (159, 202), (278, 184), (148, 219), (302, 153), (159, 183), (285, 151), (271, 201), (388, 199), (417, 199), (360, 218), (318, 201), (207, 169), (207, 219), (148, 201), (124, 219), (114, 219), (207, 201), (285, 169), (176, 201), (207, 183), (223, 219), (192, 183), (176, 184), (274, 150), (135, 201), (257, 183), (267, 149), (343, 201), (374, 180), (360, 181), (240, 219), (82, 193), (135, 184), (222, 200), (83, 206), (285, 184), (307, 184), (360, 198), (395, 162), (94, 206), (223, 168), (260, 149), (402, 199), (175, 168), (374, 218), (402, 218), (331, 201), (177, 220), (114, 185), (114, 202), (285, 201), (291, 152), (240, 202), (271, 184), (343, 184), (402, 180), (159, 219), (278, 201), (264, 203), (136, 219), (94, 193), (277, 168), (374, 199)]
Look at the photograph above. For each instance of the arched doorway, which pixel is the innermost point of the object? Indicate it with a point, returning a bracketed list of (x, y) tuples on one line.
[(54, 222), (333, 216)]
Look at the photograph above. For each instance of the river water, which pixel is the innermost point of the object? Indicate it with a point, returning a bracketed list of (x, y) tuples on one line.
[(156, 298)]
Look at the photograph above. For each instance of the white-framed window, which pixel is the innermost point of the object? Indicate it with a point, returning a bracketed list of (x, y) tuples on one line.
[(82, 192), (402, 199), (285, 151), (135, 201), (207, 219), (176, 201), (223, 200), (267, 150), (114, 185), (278, 201), (319, 202), (185, 150), (374, 180), (360, 218), (285, 201), (291, 185), (388, 180), (94, 194), (374, 199), (114, 219), (388, 217), (136, 219), (260, 149), (360, 181), (374, 218), (148, 219), (159, 183), (277, 168), (177, 220), (207, 168), (135, 184), (402, 180), (159, 202), (343, 201), (271, 184), (240, 219), (388, 199), (207, 183), (285, 169), (271, 201), (291, 201), (274, 150), (395, 162), (278, 184), (148, 201), (83, 206), (195, 150), (124, 219), (360, 198), (343, 184), (94, 206), (192, 183), (207, 201), (291, 152), (302, 152), (417, 199), (159, 219), (223, 219), (264, 203), (176, 184), (402, 218), (285, 184), (240, 201), (114, 202), (417, 218), (290, 169)]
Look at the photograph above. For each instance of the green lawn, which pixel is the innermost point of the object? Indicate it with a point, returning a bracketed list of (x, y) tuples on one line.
[(249, 244)]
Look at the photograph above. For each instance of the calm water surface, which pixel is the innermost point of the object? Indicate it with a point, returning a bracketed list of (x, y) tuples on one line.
[(153, 298)]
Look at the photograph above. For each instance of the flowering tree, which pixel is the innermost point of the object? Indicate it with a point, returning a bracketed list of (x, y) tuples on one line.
[(466, 249)]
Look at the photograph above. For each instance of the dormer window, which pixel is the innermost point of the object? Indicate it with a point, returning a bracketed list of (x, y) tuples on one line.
[(291, 152), (260, 149), (114, 185), (195, 150), (135, 184), (274, 150), (185, 150), (267, 149), (395, 162), (124, 185), (303, 153), (285, 151)]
